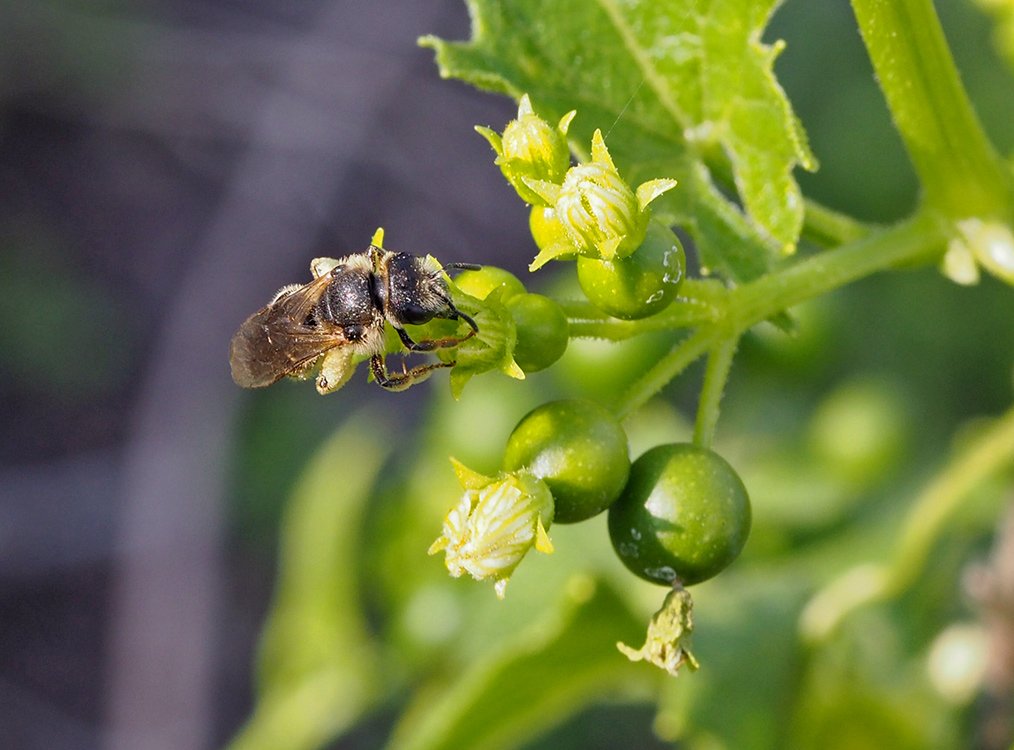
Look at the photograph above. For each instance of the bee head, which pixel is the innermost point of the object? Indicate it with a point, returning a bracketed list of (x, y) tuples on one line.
[(416, 291)]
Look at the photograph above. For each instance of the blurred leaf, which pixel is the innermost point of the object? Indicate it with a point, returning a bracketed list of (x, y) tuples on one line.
[(559, 663), (866, 672), (276, 430), (674, 84), (1002, 12), (860, 430), (745, 639), (318, 669), (604, 726), (602, 370)]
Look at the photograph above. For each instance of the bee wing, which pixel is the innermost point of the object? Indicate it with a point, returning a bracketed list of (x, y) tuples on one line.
[(277, 340)]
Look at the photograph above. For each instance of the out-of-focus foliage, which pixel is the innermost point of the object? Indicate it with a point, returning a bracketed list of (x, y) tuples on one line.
[(318, 667), (1003, 13)]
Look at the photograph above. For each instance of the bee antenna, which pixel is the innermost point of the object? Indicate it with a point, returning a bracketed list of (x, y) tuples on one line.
[(456, 314), (463, 266), (467, 319)]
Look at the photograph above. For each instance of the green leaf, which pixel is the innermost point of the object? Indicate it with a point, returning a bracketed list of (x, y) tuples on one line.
[(317, 666), (683, 89), (554, 667)]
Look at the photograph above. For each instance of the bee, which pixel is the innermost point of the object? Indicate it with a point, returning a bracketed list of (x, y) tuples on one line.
[(322, 326)]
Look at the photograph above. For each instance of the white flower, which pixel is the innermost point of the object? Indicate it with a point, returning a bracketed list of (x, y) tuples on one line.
[(494, 524)]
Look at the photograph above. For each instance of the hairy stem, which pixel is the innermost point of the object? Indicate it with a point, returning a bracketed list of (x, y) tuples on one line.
[(745, 306), (920, 237), (828, 228), (715, 376), (960, 171), (667, 368), (699, 302)]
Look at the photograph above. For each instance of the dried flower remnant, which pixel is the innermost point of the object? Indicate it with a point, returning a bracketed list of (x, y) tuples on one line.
[(666, 645)]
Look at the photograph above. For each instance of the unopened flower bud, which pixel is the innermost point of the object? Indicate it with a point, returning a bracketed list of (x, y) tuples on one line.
[(602, 215), (978, 243), (531, 147)]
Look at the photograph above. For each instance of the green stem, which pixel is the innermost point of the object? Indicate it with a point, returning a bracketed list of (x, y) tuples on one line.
[(936, 506), (715, 376), (663, 371), (826, 227), (699, 302), (920, 237), (618, 330), (960, 172)]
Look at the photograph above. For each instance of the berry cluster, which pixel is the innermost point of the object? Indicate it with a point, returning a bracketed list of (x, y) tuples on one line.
[(679, 514)]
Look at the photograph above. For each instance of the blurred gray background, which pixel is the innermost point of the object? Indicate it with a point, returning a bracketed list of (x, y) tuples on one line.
[(164, 167)]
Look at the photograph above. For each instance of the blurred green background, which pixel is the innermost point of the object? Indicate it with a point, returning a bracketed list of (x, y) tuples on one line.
[(166, 166)]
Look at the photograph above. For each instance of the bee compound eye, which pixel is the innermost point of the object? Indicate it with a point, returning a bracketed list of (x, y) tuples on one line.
[(415, 314)]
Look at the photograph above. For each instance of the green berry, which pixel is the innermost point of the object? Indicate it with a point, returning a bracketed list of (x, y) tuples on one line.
[(683, 516), (483, 281), (579, 449), (542, 331), (639, 285)]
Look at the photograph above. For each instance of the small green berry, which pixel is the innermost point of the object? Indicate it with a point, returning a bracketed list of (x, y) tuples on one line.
[(542, 331)]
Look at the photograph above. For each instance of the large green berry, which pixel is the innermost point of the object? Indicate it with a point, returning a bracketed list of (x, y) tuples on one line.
[(683, 516), (579, 449)]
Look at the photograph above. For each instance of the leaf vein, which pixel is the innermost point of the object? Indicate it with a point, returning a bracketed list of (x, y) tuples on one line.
[(654, 79)]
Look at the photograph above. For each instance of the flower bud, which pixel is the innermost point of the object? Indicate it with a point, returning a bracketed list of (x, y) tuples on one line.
[(603, 217), (599, 210), (495, 523), (988, 244), (531, 147)]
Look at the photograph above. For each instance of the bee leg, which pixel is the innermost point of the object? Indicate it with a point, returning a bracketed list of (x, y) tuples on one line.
[(430, 344), (456, 314), (406, 378), (336, 368)]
